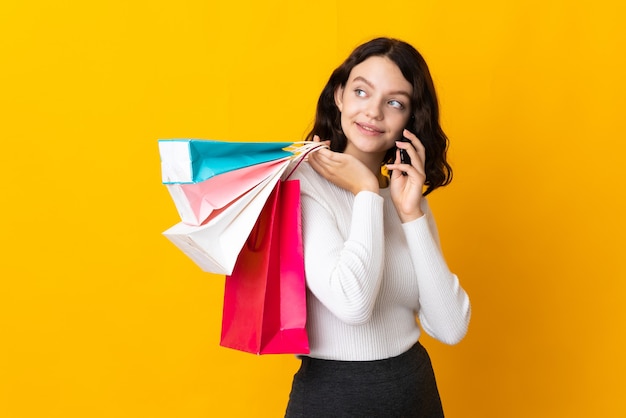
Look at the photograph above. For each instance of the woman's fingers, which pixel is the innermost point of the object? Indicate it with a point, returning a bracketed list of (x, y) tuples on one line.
[(416, 145), (344, 171), (415, 149)]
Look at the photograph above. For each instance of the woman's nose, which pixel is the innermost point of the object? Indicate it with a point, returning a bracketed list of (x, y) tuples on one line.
[(374, 110)]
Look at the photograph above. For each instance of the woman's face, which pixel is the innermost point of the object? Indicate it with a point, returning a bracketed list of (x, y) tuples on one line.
[(374, 106)]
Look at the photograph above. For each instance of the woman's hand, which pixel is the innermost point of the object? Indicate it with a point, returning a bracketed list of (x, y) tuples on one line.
[(343, 170), (406, 191)]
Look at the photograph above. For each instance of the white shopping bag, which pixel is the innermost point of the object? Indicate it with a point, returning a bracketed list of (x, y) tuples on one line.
[(215, 246)]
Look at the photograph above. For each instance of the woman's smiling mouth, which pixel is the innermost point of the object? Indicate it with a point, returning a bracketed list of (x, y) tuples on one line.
[(368, 129)]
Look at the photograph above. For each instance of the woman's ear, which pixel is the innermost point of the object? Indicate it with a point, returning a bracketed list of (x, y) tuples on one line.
[(339, 97)]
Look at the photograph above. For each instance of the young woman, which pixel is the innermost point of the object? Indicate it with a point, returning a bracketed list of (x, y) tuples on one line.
[(372, 255)]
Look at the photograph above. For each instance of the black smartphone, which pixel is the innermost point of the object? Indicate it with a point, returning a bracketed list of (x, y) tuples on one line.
[(404, 156)]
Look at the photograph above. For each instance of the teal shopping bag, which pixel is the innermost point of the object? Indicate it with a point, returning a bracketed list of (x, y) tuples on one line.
[(195, 160)]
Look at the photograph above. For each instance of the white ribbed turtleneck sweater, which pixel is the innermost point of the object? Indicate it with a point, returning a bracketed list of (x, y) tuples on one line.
[(369, 275)]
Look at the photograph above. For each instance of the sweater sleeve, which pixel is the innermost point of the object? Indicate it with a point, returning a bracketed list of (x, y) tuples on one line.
[(444, 305), (344, 273)]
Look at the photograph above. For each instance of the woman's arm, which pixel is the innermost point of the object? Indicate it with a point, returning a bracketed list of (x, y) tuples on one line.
[(344, 273), (444, 305)]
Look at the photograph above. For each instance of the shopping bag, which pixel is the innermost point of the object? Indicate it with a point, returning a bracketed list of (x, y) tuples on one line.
[(265, 296), (196, 160), (195, 202), (215, 245)]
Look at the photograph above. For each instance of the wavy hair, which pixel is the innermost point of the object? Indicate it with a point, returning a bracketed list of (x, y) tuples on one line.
[(424, 120)]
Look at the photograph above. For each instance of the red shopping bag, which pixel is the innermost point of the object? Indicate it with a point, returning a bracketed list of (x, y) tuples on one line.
[(265, 296)]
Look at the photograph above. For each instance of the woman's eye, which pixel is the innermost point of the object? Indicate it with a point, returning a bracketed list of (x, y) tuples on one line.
[(359, 92), (396, 104)]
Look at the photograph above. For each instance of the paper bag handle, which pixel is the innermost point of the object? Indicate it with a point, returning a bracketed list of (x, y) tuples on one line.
[(301, 149)]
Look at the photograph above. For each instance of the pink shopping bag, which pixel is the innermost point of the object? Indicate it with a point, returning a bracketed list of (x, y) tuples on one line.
[(196, 202), (265, 296)]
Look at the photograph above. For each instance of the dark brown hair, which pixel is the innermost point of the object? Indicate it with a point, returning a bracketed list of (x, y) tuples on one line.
[(424, 120)]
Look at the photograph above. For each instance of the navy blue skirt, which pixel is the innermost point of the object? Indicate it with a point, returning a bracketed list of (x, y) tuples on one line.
[(402, 386)]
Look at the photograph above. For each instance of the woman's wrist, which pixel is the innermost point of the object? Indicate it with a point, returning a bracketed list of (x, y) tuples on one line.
[(368, 187), (410, 217)]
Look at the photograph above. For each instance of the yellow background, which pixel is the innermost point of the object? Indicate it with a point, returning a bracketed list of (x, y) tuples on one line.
[(100, 316)]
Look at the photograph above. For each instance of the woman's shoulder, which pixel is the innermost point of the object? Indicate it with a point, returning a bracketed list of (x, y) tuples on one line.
[(315, 185)]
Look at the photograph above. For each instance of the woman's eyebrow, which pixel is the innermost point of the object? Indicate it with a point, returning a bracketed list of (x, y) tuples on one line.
[(359, 78), (364, 80)]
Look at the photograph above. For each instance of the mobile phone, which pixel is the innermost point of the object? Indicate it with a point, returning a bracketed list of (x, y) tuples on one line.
[(404, 156)]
